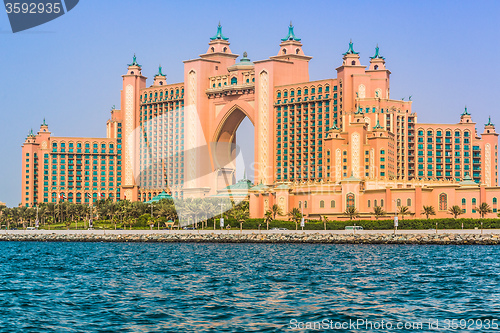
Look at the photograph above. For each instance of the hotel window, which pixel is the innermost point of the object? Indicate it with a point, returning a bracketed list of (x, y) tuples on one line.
[(408, 202), (332, 204), (369, 204), (443, 201), (350, 200), (321, 204)]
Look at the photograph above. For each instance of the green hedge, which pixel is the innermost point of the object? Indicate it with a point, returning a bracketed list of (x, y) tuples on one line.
[(405, 224)]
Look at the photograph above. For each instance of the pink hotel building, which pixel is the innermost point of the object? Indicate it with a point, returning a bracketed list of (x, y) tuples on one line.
[(320, 146)]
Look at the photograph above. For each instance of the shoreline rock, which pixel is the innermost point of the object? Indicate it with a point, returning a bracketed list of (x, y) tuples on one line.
[(275, 238)]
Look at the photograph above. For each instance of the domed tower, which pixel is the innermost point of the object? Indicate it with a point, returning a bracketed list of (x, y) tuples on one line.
[(465, 117), (133, 82), (160, 78)]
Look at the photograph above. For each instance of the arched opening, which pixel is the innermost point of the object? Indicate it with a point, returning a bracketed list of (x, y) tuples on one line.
[(233, 152)]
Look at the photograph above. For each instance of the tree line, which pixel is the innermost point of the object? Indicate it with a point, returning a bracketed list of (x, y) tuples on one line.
[(193, 212)]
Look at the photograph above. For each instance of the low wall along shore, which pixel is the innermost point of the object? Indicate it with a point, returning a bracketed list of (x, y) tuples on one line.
[(446, 238)]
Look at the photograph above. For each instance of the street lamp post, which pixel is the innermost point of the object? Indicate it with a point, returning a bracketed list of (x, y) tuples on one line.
[(302, 216), (395, 216)]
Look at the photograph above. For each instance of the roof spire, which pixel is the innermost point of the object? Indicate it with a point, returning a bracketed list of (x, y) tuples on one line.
[(44, 124), (378, 125), (334, 127), (134, 62), (159, 71), (219, 34), (489, 122), (465, 112), (291, 35), (351, 49), (377, 54)]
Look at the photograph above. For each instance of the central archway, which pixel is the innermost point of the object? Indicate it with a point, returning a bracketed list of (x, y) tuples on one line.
[(231, 155)]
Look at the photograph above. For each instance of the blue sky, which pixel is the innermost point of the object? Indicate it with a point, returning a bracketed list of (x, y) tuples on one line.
[(443, 53)]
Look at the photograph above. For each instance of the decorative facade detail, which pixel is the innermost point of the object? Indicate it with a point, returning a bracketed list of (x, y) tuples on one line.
[(355, 154), (128, 134), (191, 113), (362, 91), (338, 165), (372, 163), (487, 167), (281, 204), (264, 110)]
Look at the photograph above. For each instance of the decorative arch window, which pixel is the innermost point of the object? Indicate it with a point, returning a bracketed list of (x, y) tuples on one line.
[(285, 94), (464, 201), (369, 204), (443, 201), (321, 204), (374, 203), (225, 49), (212, 49), (398, 202), (382, 203), (332, 204), (353, 62), (234, 80), (494, 201), (284, 51), (279, 94), (375, 67), (297, 51), (300, 204), (305, 204), (299, 92), (408, 202), (474, 202), (350, 200)]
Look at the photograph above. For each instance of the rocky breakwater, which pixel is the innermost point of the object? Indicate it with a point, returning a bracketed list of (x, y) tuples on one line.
[(327, 238)]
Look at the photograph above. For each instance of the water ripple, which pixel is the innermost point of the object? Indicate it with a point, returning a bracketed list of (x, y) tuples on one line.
[(101, 287)]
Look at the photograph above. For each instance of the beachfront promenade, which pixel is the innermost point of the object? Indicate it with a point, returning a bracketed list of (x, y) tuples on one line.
[(248, 232), (418, 237)]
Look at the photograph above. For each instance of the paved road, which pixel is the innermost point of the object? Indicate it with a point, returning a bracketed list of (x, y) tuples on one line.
[(233, 231)]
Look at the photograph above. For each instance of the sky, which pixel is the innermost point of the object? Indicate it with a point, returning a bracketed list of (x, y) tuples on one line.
[(445, 54)]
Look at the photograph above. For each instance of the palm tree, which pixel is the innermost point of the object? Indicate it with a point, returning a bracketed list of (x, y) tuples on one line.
[(428, 210), (455, 211), (268, 218), (378, 211), (404, 210), (241, 213), (352, 212), (483, 209), (325, 221), (276, 210), (295, 215)]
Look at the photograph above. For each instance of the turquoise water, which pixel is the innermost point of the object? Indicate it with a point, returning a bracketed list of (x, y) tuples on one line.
[(117, 287)]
